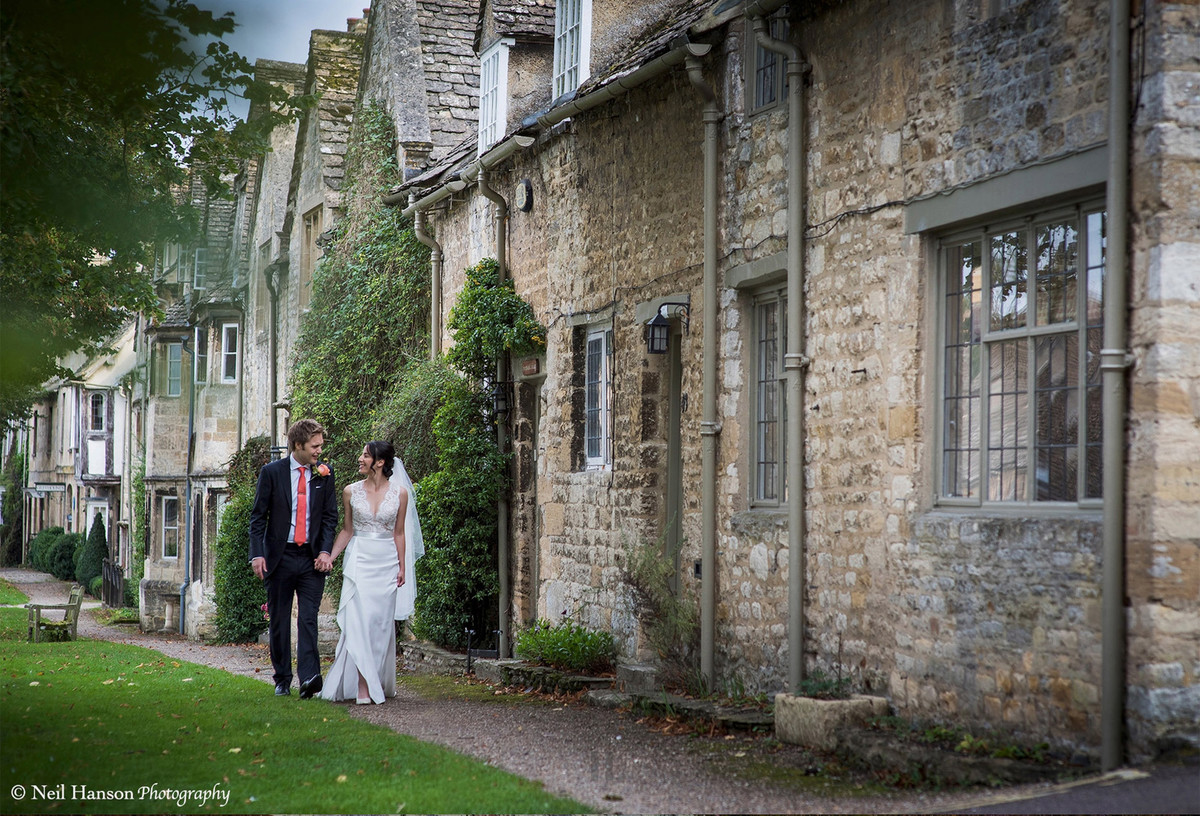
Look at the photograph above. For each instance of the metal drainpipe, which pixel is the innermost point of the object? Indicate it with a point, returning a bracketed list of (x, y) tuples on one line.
[(273, 343), (435, 280), (187, 498), (795, 359), (502, 555), (1114, 360), (710, 427)]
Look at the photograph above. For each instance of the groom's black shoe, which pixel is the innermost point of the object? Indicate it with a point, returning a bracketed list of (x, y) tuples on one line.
[(310, 687), (283, 689)]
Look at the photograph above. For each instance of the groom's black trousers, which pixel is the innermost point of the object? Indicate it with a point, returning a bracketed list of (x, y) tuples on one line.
[(294, 575)]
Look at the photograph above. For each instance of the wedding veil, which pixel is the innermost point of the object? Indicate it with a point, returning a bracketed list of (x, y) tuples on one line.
[(413, 540)]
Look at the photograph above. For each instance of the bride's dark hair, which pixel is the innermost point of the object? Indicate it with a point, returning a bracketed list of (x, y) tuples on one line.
[(379, 449)]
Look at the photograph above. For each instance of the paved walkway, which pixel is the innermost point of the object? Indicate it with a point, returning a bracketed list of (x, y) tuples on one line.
[(613, 763)]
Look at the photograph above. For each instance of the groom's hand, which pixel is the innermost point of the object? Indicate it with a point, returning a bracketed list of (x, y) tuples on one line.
[(259, 565), (324, 562)]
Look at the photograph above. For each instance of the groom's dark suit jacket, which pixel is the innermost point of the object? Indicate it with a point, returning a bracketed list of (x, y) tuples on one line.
[(271, 515)]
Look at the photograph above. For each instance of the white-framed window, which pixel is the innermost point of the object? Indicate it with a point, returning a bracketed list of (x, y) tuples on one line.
[(597, 400), (769, 442), (1022, 305), (97, 408), (229, 353), (200, 270), (493, 93), (766, 71), (572, 44), (174, 369), (171, 253), (200, 357), (309, 253), (169, 538)]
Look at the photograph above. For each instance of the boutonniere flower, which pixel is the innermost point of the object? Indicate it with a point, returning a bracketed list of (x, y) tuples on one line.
[(322, 469)]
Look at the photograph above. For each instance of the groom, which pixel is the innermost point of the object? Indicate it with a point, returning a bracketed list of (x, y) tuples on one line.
[(293, 521)]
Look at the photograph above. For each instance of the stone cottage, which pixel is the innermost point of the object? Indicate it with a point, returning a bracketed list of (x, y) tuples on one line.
[(217, 362), (922, 412)]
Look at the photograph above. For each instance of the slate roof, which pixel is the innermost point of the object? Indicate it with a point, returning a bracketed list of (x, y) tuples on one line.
[(671, 24), (525, 20)]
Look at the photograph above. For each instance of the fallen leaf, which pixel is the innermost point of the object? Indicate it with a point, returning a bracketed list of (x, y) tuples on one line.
[(341, 778), (235, 750)]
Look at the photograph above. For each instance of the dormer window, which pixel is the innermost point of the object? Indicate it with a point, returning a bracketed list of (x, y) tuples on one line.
[(493, 93), (572, 44), (200, 271)]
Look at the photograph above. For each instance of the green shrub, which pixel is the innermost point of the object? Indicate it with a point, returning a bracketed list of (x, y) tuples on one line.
[(96, 586), (406, 417), (569, 646), (237, 591), (669, 618), (457, 583), (39, 548), (139, 533), (90, 562), (61, 559), (12, 508), (489, 321)]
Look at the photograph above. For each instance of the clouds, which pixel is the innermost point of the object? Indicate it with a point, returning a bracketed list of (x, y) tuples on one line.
[(279, 29)]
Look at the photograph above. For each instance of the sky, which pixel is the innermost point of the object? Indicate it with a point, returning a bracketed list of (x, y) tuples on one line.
[(279, 29)]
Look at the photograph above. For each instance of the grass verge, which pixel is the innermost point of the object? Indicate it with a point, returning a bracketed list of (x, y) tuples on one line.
[(95, 719), (9, 594)]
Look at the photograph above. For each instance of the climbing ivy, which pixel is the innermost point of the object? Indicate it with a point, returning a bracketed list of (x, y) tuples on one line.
[(369, 316)]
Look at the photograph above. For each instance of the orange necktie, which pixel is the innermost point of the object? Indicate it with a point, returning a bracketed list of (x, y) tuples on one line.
[(301, 510)]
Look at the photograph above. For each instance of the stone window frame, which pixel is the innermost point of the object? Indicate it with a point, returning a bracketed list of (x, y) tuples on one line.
[(572, 45), (200, 358), (230, 353), (771, 298), (980, 340), (200, 268), (164, 528), (97, 404), (493, 92), (601, 406), (766, 68), (173, 369)]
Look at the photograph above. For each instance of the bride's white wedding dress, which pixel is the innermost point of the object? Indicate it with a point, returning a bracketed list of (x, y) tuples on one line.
[(371, 601)]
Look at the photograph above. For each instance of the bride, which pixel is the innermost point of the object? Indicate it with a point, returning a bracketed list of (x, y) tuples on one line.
[(381, 537)]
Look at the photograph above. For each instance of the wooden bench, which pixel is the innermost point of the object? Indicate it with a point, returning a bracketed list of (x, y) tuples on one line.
[(66, 629)]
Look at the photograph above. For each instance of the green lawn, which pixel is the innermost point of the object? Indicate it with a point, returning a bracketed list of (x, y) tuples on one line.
[(9, 594), (103, 719)]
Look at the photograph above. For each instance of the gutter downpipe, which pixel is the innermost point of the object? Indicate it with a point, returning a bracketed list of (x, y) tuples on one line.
[(620, 85), (187, 497), (502, 554), (435, 280), (273, 341), (710, 427), (1114, 360), (795, 358)]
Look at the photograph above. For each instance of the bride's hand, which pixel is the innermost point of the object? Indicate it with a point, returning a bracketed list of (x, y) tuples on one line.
[(400, 577)]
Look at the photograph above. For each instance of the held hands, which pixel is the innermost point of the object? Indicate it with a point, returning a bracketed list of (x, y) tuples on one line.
[(323, 562)]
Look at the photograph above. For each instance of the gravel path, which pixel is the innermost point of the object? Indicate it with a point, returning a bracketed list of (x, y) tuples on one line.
[(602, 758)]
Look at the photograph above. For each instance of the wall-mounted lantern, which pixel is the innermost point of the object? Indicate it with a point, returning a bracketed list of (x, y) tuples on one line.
[(658, 329)]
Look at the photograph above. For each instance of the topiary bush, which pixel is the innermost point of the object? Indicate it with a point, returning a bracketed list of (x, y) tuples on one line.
[(570, 646), (91, 556), (95, 587), (12, 508), (61, 558), (138, 536), (40, 547), (237, 591)]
